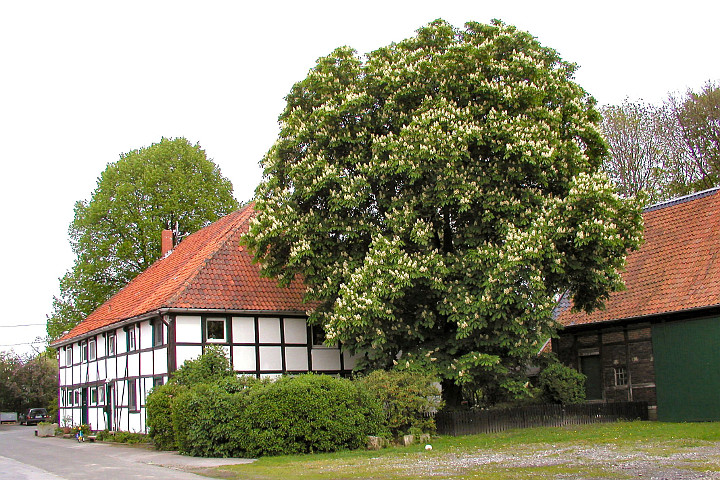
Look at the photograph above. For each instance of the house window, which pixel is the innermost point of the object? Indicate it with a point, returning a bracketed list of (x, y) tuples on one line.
[(215, 329), (132, 395), (111, 343), (68, 355), (92, 349), (76, 400), (157, 381), (157, 333), (93, 396), (131, 343), (101, 394), (621, 377), (83, 351)]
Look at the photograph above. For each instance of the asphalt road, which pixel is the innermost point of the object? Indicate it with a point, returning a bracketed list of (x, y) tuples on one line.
[(23, 456)]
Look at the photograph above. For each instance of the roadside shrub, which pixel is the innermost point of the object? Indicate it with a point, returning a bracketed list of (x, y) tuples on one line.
[(561, 384), (407, 398), (207, 421), (159, 415), (308, 413)]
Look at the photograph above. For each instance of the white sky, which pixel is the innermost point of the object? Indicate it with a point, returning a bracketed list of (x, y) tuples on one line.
[(83, 82)]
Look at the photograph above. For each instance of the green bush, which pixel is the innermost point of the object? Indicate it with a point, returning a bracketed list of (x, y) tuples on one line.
[(208, 368), (407, 397), (308, 413), (159, 415), (561, 384)]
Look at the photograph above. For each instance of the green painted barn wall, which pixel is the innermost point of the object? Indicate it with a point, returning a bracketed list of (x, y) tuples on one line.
[(687, 370)]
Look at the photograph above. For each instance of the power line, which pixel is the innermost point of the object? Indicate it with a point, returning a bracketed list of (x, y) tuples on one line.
[(26, 343), (22, 325)]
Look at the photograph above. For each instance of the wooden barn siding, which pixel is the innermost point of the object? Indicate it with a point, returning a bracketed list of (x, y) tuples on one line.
[(629, 346)]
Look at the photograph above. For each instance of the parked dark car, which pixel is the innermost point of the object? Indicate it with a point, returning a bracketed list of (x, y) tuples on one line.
[(34, 416)]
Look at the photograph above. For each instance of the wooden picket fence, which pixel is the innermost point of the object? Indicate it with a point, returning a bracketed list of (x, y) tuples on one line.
[(471, 422)]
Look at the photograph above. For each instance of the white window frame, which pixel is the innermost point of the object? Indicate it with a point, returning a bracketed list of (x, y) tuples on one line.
[(224, 330), (93, 396), (92, 349), (132, 339), (112, 342), (83, 351), (68, 355), (621, 375), (133, 405)]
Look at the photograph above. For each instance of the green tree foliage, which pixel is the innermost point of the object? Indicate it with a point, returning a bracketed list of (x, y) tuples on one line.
[(407, 397), (437, 195), (116, 234), (27, 382)]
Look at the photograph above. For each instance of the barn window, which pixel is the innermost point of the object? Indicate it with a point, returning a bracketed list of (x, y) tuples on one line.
[(621, 377)]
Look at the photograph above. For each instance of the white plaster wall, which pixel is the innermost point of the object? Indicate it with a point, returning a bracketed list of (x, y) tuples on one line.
[(325, 359), (296, 358), (295, 330), (101, 370), (269, 331), (185, 352), (120, 341), (146, 363), (160, 360), (133, 365), (187, 329), (244, 358), (243, 329), (270, 358), (145, 334)]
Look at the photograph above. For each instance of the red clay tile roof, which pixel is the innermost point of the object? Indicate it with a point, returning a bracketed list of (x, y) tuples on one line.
[(207, 270), (676, 269)]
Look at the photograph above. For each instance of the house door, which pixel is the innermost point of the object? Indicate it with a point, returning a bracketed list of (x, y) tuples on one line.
[(110, 406), (687, 372), (84, 410)]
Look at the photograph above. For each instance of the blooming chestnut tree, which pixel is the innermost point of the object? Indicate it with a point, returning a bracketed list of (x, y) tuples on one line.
[(437, 195)]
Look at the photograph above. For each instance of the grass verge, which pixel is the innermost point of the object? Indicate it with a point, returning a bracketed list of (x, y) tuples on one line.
[(524, 454)]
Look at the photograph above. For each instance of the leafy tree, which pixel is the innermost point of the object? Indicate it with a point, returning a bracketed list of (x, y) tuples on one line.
[(437, 195), (698, 120), (116, 235), (27, 382)]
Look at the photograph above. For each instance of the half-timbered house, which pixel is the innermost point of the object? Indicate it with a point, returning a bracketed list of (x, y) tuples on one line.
[(205, 292)]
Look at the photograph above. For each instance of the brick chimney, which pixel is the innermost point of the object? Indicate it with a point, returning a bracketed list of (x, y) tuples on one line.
[(166, 243)]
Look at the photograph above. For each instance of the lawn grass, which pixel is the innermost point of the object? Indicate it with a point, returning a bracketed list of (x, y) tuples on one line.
[(448, 454)]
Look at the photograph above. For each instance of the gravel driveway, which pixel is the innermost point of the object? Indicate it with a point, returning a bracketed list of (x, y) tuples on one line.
[(668, 460)]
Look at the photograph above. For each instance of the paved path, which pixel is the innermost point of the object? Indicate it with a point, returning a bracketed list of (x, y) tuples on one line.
[(23, 456)]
